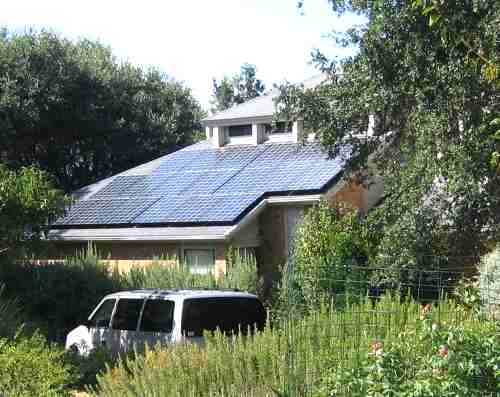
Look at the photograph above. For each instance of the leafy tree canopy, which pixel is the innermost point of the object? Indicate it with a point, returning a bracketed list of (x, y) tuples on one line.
[(28, 200), (427, 78), (237, 89), (72, 108)]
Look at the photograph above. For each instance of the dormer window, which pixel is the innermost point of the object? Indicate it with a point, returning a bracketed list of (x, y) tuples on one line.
[(281, 127), (236, 131)]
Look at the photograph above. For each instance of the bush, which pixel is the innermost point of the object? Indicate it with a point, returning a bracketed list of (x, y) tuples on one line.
[(331, 251), (57, 296), (489, 282), (430, 360), (30, 367), (241, 274), (291, 356), (10, 319)]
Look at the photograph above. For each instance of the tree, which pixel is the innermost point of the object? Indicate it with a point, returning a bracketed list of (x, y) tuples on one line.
[(82, 115), (434, 108), (28, 201), (237, 89)]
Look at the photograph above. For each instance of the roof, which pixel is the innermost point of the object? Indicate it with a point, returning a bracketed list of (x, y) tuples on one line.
[(200, 186), (256, 108), (184, 293)]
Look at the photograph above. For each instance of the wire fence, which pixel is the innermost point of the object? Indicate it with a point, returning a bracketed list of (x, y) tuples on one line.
[(419, 329)]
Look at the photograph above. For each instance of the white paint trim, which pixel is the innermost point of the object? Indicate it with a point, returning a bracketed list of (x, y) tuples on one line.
[(278, 200), (147, 237), (237, 121)]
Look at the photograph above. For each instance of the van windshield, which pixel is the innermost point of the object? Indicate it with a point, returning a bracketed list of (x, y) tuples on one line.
[(229, 315)]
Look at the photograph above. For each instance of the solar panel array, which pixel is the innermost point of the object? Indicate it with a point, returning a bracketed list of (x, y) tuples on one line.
[(202, 184)]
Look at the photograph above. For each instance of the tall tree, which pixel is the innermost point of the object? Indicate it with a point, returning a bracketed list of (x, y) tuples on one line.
[(237, 89), (434, 104), (80, 114)]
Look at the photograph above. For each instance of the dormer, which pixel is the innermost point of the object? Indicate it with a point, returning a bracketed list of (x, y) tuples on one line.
[(251, 123)]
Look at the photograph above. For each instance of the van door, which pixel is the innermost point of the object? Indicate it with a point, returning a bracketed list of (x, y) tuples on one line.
[(99, 323), (157, 322), (123, 335)]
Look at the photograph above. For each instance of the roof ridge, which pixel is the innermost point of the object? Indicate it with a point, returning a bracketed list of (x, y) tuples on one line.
[(236, 106)]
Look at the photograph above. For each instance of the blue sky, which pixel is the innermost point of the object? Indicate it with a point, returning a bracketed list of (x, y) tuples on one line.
[(193, 41)]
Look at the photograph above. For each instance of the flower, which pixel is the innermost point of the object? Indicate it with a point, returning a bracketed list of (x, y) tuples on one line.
[(435, 327), (443, 351), (376, 347), (425, 311)]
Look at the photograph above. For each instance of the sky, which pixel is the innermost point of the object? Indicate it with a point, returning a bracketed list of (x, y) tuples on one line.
[(194, 41)]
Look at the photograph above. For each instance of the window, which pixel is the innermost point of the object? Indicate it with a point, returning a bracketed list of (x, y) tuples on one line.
[(229, 315), (127, 314), (158, 316), (280, 127), (200, 261), (240, 130), (102, 316)]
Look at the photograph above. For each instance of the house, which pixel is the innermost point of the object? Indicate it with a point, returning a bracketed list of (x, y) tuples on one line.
[(246, 186)]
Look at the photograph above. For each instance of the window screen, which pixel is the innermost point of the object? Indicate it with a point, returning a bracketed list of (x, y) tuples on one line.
[(102, 316), (127, 314), (240, 130), (227, 314), (157, 316), (200, 261)]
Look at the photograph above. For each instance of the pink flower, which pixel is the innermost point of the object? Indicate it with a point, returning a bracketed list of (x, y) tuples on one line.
[(377, 347), (425, 311), (444, 351)]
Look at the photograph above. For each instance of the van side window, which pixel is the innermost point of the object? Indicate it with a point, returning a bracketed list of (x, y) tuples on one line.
[(127, 314), (102, 316), (158, 316), (230, 315)]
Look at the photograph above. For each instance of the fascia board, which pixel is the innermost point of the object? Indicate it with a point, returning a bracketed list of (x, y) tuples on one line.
[(237, 121)]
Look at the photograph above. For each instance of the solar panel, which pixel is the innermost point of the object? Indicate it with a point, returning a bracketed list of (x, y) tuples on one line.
[(202, 184)]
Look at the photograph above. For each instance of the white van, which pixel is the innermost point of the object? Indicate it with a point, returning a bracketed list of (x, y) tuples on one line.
[(128, 319)]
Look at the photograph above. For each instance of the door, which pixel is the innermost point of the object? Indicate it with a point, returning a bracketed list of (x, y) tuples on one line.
[(99, 323), (157, 322), (123, 334)]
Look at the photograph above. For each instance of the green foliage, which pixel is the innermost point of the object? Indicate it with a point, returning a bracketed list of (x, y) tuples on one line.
[(433, 110), (489, 282), (291, 358), (431, 360), (87, 368), (56, 297), (10, 316), (330, 255), (237, 89), (75, 110), (241, 274), (30, 367), (28, 200)]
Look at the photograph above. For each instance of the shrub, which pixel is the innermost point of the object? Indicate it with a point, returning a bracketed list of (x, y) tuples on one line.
[(489, 281), (431, 360), (291, 357), (30, 367), (57, 296), (241, 274), (331, 250), (9, 316)]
